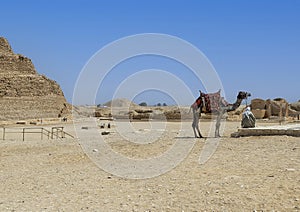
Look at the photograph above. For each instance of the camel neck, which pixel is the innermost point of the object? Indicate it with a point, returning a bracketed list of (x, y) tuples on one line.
[(236, 104)]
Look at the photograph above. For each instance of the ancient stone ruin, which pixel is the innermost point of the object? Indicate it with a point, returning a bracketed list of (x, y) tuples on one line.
[(272, 108), (25, 94)]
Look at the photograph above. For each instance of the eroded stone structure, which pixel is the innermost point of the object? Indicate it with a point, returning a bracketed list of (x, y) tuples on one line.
[(25, 94)]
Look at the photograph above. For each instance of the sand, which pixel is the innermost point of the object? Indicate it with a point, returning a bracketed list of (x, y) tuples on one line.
[(244, 174)]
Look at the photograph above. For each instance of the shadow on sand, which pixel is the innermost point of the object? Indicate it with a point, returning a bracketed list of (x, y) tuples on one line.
[(189, 137)]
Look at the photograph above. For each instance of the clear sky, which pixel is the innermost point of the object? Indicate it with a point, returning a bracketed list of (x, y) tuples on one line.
[(253, 45)]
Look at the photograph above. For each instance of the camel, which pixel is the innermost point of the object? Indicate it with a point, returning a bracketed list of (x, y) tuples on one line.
[(213, 103)]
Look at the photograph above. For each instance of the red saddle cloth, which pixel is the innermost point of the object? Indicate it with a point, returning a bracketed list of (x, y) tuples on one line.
[(212, 102)]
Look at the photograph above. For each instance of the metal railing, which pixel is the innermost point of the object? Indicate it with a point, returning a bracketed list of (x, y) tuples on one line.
[(57, 132)]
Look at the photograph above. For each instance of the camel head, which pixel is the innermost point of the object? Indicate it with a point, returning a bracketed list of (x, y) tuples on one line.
[(243, 95)]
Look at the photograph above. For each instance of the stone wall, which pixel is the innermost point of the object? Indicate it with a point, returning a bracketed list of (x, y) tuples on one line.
[(16, 65), (28, 85), (23, 108), (268, 108)]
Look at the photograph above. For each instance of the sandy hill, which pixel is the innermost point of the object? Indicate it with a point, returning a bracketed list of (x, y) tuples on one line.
[(120, 103), (25, 94)]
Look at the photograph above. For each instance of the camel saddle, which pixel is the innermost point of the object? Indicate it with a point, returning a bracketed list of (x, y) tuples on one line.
[(210, 102)]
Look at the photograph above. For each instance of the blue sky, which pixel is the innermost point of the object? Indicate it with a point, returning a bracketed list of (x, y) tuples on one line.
[(253, 45)]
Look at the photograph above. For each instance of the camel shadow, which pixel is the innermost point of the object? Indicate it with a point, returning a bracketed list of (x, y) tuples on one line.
[(189, 137), (184, 137), (204, 137)]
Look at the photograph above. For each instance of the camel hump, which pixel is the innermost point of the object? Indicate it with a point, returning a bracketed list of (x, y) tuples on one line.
[(211, 101)]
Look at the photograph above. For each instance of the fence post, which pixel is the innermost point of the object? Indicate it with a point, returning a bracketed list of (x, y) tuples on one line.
[(23, 134), (3, 133)]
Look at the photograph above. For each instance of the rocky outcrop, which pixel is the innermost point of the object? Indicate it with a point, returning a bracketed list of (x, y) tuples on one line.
[(25, 94)]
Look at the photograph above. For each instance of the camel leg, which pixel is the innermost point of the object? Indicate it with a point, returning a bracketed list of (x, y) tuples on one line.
[(199, 133), (218, 123), (196, 136), (196, 130), (195, 125)]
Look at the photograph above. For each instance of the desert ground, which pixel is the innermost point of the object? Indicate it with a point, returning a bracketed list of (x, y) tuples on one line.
[(244, 174)]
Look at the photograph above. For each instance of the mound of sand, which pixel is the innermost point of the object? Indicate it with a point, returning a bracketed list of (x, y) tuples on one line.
[(120, 103)]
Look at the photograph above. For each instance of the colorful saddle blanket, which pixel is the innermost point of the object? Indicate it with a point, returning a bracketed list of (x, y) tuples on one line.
[(210, 102)]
